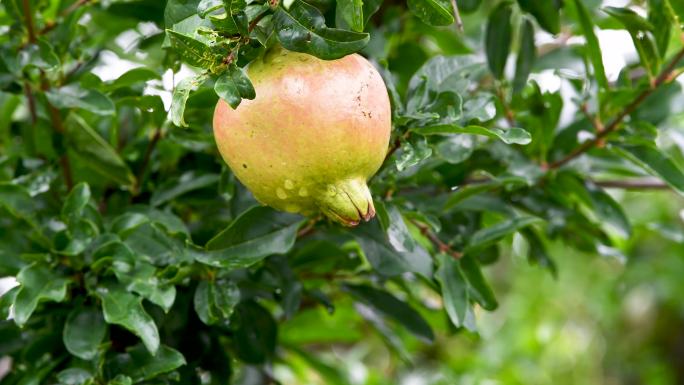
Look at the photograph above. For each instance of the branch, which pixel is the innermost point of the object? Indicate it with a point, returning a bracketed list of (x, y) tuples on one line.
[(627, 184), (28, 20), (73, 7), (55, 117), (665, 76), (441, 246), (508, 113), (457, 16), (635, 184), (146, 159)]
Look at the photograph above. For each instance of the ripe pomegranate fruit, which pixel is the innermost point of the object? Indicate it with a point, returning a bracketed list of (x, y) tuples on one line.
[(314, 134)]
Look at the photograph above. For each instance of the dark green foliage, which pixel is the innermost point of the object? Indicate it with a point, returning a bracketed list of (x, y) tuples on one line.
[(140, 259)]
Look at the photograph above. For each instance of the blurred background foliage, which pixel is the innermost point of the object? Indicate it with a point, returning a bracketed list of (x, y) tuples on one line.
[(529, 224)]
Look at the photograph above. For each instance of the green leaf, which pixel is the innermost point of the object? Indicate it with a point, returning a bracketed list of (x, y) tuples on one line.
[(207, 6), (537, 253), (37, 284), (236, 12), (193, 51), (74, 376), (609, 211), (662, 17), (95, 152), (75, 97), (187, 182), (455, 292), (233, 86), (302, 28), (16, 200), (413, 152), (121, 380), (385, 258), (513, 135), (254, 235), (76, 201), (391, 307), (432, 12), (593, 48), (180, 97), (498, 38), (138, 364), (654, 162), (527, 54), (480, 291), (136, 76), (547, 13), (256, 335), (126, 310), (6, 301), (83, 333), (640, 31), (215, 301), (489, 235), (350, 13)]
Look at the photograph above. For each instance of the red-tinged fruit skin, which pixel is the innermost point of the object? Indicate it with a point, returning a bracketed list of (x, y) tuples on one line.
[(314, 134)]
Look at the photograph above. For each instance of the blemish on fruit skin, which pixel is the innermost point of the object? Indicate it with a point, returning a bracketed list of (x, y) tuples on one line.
[(289, 184), (281, 193), (303, 192)]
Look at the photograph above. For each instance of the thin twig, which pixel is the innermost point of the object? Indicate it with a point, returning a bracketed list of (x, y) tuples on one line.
[(441, 245), (508, 113), (627, 184), (308, 229), (28, 19), (614, 125), (146, 159), (31, 103), (55, 117), (49, 26), (457, 16), (635, 184)]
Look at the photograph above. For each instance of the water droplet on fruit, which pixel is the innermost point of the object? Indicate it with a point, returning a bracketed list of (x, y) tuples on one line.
[(289, 184), (303, 192), (281, 193), (332, 191)]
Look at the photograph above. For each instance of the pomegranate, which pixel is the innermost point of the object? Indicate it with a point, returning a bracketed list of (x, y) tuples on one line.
[(314, 134)]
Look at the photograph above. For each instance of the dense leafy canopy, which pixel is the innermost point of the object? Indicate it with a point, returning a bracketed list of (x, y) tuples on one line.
[(140, 259)]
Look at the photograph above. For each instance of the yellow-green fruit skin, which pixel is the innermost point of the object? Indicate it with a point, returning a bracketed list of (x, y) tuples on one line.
[(314, 134)]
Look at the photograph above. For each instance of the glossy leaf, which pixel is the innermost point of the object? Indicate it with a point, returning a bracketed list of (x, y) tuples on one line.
[(256, 234), (654, 162), (527, 54), (215, 301), (498, 38), (126, 310), (95, 152), (455, 292), (76, 97), (514, 135), (83, 333), (37, 284), (432, 12), (233, 86), (547, 13), (391, 307), (593, 48), (180, 97), (350, 12), (302, 28)]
